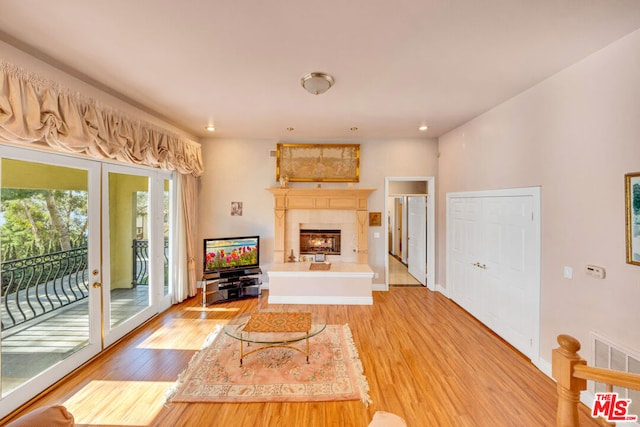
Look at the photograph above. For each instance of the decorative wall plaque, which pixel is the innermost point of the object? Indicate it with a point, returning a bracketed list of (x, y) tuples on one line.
[(375, 219), (318, 162)]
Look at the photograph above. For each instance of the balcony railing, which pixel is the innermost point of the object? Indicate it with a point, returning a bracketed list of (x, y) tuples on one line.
[(35, 286), (141, 262)]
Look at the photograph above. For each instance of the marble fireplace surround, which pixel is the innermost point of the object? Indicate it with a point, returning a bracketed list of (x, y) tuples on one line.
[(343, 208)]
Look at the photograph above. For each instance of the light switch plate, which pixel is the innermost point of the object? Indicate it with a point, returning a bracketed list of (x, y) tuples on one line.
[(568, 273)]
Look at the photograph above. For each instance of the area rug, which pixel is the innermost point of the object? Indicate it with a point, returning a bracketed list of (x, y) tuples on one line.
[(334, 372)]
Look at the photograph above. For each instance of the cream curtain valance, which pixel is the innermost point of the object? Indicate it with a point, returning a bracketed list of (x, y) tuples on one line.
[(36, 111)]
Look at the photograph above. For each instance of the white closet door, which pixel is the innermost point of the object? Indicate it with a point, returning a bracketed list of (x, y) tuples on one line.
[(464, 229), (493, 262), (509, 260)]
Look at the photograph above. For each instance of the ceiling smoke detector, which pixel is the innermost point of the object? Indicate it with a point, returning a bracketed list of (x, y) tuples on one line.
[(316, 83)]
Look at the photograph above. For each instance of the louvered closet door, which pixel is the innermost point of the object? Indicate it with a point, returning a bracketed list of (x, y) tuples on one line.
[(493, 264)]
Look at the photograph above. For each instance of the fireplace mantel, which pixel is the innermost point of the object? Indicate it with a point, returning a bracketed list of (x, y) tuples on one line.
[(320, 198)]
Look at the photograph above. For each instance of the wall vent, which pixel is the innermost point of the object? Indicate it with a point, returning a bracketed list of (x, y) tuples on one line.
[(606, 354)]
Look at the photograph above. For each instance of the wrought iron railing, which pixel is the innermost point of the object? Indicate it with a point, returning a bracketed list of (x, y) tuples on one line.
[(141, 262), (35, 286)]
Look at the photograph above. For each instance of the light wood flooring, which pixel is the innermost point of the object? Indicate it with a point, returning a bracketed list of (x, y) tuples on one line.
[(425, 359), (399, 274)]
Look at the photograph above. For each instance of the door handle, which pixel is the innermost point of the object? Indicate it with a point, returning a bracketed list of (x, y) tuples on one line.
[(97, 285)]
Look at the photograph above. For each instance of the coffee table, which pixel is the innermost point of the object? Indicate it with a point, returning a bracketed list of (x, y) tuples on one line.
[(274, 329)]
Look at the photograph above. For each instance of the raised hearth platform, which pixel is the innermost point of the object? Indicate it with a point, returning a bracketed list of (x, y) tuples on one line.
[(344, 283)]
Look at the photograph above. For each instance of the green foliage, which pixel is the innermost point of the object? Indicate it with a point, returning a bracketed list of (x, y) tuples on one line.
[(27, 229), (635, 197)]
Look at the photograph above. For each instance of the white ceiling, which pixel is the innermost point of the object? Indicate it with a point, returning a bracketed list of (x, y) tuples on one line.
[(237, 63)]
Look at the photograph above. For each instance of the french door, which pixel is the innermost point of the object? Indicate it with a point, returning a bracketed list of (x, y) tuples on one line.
[(85, 256), (135, 256)]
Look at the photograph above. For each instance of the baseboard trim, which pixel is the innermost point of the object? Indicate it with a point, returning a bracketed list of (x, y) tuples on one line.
[(441, 289)]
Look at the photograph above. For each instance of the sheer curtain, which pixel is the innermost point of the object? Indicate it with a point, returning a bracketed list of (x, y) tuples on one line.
[(38, 112), (187, 221)]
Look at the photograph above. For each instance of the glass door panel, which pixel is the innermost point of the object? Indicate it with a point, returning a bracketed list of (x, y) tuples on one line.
[(166, 228), (126, 251), (136, 257), (49, 258)]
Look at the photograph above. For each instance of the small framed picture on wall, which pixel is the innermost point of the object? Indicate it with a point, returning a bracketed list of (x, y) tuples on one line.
[(375, 219), (236, 208)]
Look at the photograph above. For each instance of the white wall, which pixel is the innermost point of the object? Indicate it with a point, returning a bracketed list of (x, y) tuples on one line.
[(575, 135), (241, 170)]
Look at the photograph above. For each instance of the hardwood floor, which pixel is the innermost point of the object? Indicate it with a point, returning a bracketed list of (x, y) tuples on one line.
[(425, 358)]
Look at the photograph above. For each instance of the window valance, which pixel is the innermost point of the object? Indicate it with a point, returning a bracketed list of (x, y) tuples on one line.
[(36, 111)]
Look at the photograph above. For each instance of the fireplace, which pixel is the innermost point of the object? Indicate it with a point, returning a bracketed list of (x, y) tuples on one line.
[(320, 209), (325, 241)]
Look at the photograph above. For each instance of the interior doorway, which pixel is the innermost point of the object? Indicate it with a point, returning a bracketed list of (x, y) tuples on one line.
[(409, 231)]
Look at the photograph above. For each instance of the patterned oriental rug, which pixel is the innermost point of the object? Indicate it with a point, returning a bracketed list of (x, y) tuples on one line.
[(334, 372)]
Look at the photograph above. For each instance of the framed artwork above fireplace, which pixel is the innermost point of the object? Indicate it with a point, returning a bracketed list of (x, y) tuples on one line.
[(318, 162)]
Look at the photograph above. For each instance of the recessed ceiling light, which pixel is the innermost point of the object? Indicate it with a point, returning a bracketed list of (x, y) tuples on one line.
[(423, 128), (210, 128)]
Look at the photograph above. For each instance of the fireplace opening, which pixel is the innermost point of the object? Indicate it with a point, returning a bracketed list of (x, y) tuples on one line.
[(320, 241)]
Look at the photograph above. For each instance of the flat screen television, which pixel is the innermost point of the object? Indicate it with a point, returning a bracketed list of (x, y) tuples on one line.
[(231, 253)]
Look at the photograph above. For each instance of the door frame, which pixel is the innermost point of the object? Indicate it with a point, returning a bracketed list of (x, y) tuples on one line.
[(431, 227)]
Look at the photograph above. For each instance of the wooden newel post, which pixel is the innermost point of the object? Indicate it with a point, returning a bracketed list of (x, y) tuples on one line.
[(564, 359)]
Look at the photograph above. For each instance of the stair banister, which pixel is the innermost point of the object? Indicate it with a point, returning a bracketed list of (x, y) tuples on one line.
[(571, 374)]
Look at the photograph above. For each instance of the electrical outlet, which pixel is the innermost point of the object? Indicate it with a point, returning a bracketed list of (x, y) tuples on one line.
[(375, 275)]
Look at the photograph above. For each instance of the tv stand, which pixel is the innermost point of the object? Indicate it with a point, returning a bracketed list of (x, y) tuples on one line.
[(230, 285)]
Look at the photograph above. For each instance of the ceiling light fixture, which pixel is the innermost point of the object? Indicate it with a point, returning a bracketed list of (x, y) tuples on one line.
[(290, 129), (353, 129), (210, 128), (316, 83), (423, 128)]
